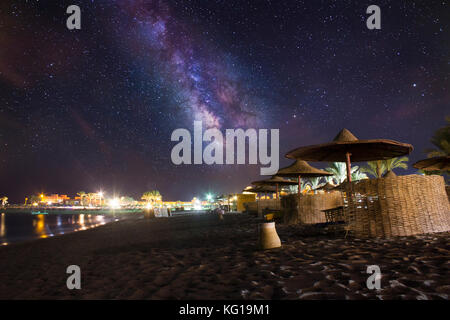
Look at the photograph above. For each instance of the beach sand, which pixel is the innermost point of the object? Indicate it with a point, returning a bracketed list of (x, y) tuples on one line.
[(201, 257)]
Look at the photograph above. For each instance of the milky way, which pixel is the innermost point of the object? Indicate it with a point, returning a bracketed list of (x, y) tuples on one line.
[(207, 85)]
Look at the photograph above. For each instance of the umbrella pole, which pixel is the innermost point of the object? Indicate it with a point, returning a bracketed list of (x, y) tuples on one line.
[(299, 192), (299, 185), (277, 191), (349, 167)]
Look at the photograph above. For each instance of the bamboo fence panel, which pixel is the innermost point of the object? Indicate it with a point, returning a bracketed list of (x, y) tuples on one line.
[(268, 204), (308, 210), (397, 206)]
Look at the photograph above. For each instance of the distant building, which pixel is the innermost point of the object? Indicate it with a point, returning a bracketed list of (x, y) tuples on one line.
[(54, 199)]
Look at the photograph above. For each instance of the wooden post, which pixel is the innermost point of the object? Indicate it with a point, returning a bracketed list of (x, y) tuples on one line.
[(349, 167), (299, 185)]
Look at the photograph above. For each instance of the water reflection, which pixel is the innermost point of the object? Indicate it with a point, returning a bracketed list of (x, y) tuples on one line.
[(2, 225), (81, 222), (39, 226), (22, 226)]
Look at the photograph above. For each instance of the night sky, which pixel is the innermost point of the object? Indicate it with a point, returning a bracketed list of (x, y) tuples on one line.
[(94, 108)]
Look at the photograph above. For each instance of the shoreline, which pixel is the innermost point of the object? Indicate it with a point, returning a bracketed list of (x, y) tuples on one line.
[(70, 210), (200, 257)]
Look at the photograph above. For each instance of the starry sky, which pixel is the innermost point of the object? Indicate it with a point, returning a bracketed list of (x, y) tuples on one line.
[(94, 109)]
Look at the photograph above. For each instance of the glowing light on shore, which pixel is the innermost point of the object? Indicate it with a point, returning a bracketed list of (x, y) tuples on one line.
[(197, 205), (114, 203)]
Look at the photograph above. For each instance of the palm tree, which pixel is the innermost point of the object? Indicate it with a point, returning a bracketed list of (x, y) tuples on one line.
[(82, 195), (151, 196), (378, 168), (35, 199), (441, 140), (156, 195), (315, 182), (339, 171), (292, 189), (358, 175), (374, 168), (399, 162), (147, 196), (4, 200)]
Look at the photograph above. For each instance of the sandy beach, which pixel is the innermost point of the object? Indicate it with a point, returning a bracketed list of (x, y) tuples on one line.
[(201, 257)]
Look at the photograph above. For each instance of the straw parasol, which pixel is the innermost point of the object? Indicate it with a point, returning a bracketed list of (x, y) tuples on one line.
[(434, 164), (301, 169), (346, 148), (274, 181), (259, 189)]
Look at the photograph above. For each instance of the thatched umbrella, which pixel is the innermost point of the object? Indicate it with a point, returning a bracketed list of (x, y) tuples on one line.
[(346, 146), (274, 181), (434, 164), (301, 169), (260, 189)]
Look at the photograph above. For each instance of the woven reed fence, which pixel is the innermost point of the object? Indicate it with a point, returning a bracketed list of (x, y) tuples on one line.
[(309, 209), (289, 208), (268, 204), (397, 206), (251, 207)]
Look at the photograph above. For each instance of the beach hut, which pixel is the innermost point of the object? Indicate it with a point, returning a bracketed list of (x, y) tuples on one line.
[(388, 206)]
